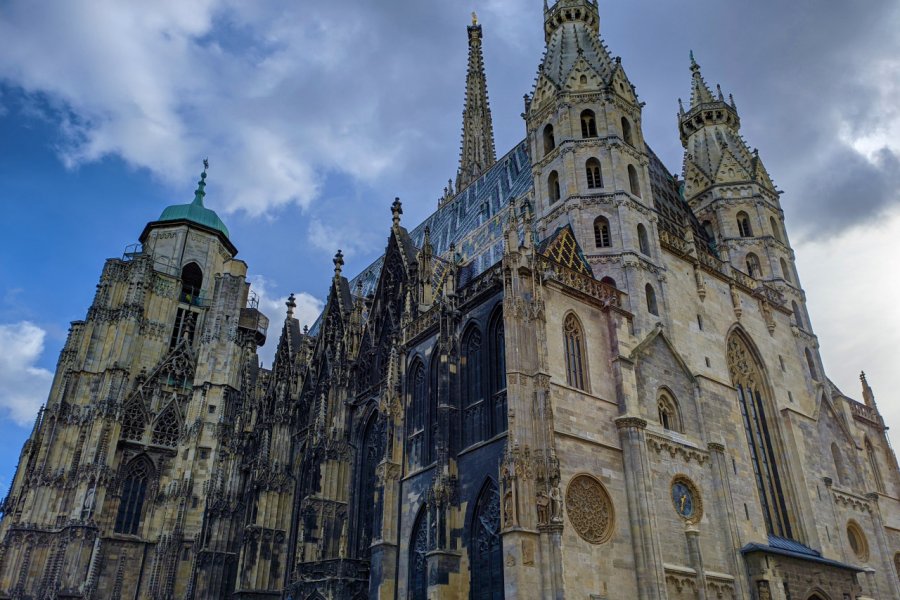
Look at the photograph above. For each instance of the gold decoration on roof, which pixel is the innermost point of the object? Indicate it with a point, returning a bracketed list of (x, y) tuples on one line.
[(564, 249)]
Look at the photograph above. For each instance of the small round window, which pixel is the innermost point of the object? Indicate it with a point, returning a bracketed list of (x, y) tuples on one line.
[(857, 541)]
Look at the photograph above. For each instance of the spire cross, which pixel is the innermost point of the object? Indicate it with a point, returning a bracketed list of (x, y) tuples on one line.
[(338, 263), (291, 305), (200, 192), (396, 211)]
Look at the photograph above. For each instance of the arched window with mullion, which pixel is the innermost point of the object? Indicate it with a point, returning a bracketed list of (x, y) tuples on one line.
[(576, 363), (135, 482), (418, 564), (497, 372), (431, 414), (474, 408), (486, 549), (415, 415)]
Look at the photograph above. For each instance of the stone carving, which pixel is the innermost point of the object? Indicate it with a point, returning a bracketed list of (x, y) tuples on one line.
[(590, 509)]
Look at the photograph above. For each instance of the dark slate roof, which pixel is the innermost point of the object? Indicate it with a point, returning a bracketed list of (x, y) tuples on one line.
[(790, 548), (473, 220), (673, 209)]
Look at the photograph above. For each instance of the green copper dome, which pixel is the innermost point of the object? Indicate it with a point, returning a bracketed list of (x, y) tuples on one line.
[(195, 212)]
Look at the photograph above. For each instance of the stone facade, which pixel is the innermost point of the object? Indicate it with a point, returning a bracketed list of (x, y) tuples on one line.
[(579, 378)]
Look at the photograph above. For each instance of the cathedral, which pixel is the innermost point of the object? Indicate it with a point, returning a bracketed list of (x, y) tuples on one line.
[(580, 378)]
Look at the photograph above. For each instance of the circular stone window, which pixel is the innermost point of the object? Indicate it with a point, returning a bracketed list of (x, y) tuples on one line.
[(686, 499), (858, 542), (590, 509)]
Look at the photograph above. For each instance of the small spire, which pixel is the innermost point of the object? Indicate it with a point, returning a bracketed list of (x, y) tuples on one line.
[(338, 264), (868, 394), (477, 153), (396, 211), (719, 90), (200, 192), (700, 93), (474, 18), (291, 305)]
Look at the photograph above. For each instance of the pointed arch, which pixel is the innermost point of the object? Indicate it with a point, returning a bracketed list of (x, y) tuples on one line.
[(748, 377), (371, 449), (785, 271), (553, 190), (650, 293), (872, 458), (633, 181), (576, 356), (776, 230), (667, 409), (588, 124), (474, 413), (839, 466), (136, 479), (191, 283), (431, 412), (626, 132), (486, 547), (594, 173), (754, 269), (643, 240), (811, 364), (415, 413), (134, 419), (743, 223), (167, 428), (549, 139), (417, 587), (497, 377), (798, 316)]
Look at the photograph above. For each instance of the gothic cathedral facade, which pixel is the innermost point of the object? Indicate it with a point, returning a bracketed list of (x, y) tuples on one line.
[(581, 377)]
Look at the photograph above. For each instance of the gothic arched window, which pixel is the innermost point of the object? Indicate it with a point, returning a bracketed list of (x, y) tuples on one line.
[(594, 174), (748, 380), (873, 465), (601, 232), (498, 373), (643, 242), (418, 564), (776, 230), (798, 318), (811, 365), (486, 550), (785, 272), (474, 410), (626, 132), (667, 409), (633, 181), (135, 481), (576, 371), (549, 140), (753, 267), (431, 414), (553, 186), (415, 415), (167, 429), (588, 124), (743, 222), (652, 307), (839, 466), (372, 449)]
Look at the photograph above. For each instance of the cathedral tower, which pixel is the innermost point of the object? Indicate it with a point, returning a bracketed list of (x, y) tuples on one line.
[(477, 152)]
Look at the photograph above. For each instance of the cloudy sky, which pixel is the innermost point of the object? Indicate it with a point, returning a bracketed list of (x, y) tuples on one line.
[(314, 115)]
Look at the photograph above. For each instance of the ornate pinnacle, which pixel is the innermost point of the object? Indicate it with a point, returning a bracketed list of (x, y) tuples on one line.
[(338, 263), (200, 192), (291, 305), (396, 211)]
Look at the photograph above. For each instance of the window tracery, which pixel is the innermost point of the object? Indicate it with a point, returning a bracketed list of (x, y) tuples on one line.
[(167, 429), (134, 421), (594, 174), (601, 232), (667, 410), (588, 124), (418, 564), (486, 547), (573, 335), (135, 482), (473, 405)]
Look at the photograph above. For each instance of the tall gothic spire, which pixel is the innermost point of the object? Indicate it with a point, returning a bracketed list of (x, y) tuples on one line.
[(477, 152)]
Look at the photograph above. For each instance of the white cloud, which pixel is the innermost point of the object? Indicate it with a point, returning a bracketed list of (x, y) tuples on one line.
[(23, 386), (273, 306)]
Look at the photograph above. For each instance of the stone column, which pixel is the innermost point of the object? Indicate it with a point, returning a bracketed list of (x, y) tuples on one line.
[(383, 553), (649, 573), (884, 549), (725, 499), (693, 543)]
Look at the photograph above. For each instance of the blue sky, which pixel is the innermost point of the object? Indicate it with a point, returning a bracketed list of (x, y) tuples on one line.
[(315, 117)]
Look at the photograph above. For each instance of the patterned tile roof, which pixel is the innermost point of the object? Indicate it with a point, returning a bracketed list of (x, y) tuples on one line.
[(563, 248)]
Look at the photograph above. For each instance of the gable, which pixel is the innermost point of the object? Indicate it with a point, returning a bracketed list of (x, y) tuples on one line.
[(563, 248)]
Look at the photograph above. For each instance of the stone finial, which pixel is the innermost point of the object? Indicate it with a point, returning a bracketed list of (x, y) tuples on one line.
[(200, 192), (338, 263), (396, 211), (474, 18), (868, 394), (291, 305)]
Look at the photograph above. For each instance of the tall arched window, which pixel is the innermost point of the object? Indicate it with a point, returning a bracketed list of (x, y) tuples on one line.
[(776, 230), (474, 407), (667, 409), (431, 412), (811, 365), (643, 242), (785, 272), (839, 466), (652, 307), (588, 124), (753, 267), (415, 415), (191, 282), (633, 181), (418, 564), (626, 132), (601, 232), (743, 222), (873, 466), (748, 380), (134, 421), (553, 186), (486, 548), (549, 140), (135, 481), (372, 450), (167, 429), (798, 317), (573, 335), (498, 373), (594, 174)]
